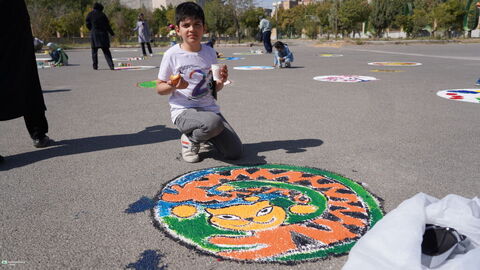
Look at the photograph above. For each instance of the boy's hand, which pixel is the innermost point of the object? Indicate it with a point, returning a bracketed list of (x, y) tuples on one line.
[(177, 82), (224, 74)]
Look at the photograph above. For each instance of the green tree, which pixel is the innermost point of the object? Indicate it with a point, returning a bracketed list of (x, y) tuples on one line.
[(171, 15), (122, 19), (472, 19), (406, 22), (218, 16), (70, 23), (159, 21), (421, 21), (383, 14), (238, 7), (250, 20), (351, 14), (333, 19), (449, 16), (322, 10)]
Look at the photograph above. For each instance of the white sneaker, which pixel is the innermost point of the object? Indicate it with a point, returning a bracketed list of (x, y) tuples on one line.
[(189, 150), (206, 146), (151, 55)]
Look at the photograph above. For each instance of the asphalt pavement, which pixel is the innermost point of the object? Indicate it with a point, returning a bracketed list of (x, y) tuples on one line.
[(84, 202)]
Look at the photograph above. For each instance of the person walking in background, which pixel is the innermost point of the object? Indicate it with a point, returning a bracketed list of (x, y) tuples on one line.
[(143, 34), (99, 26), (20, 89), (266, 29)]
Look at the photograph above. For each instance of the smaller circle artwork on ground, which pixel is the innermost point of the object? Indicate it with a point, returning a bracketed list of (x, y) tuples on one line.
[(125, 50), (330, 55), (395, 64), (128, 59), (466, 95), (253, 67), (345, 78), (135, 68), (231, 58), (41, 64), (386, 70), (153, 84), (43, 59), (248, 53), (266, 213)]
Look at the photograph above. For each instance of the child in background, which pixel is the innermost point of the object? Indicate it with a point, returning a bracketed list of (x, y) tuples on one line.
[(211, 43), (193, 108), (59, 57), (172, 35), (283, 57)]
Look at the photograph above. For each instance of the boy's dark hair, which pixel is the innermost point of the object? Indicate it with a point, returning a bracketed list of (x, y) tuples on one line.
[(279, 45), (189, 10), (98, 6)]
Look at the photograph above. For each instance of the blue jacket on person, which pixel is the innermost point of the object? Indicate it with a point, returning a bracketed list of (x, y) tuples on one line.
[(285, 53)]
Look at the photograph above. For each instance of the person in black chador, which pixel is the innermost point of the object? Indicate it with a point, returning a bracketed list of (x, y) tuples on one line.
[(20, 89), (99, 26)]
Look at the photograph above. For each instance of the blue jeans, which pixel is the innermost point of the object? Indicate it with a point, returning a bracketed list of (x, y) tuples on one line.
[(201, 126), (266, 41)]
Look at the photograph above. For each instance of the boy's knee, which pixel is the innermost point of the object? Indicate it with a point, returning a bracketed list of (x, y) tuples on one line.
[(213, 126)]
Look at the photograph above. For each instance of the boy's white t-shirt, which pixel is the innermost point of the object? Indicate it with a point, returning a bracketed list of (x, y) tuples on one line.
[(195, 68)]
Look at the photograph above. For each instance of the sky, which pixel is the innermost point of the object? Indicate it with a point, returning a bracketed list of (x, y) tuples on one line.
[(264, 3)]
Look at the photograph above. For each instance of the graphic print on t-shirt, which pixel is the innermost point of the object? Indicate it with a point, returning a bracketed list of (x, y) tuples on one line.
[(200, 79)]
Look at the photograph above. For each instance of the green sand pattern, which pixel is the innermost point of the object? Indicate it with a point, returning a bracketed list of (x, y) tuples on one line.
[(147, 84)]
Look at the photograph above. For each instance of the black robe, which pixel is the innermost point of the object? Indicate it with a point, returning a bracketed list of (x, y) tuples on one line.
[(99, 26), (20, 89)]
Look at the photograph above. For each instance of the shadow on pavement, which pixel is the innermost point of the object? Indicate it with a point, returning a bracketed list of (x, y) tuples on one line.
[(150, 260), (150, 135), (143, 204), (57, 90), (251, 150)]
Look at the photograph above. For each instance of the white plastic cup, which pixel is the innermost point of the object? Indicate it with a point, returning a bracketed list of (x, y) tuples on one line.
[(216, 71)]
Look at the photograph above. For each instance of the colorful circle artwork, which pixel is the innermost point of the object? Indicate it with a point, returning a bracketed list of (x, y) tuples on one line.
[(466, 95), (266, 213), (249, 53), (125, 50), (386, 70), (128, 59), (230, 58), (135, 68), (253, 67), (345, 78), (330, 55), (43, 59), (395, 64), (42, 64)]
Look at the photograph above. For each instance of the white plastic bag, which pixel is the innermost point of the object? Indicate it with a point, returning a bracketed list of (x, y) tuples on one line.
[(395, 241)]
